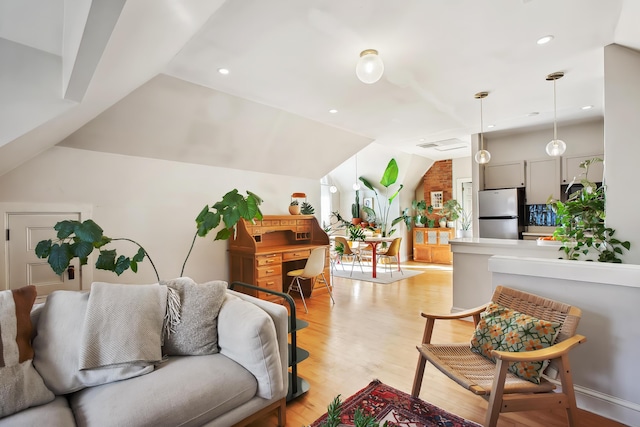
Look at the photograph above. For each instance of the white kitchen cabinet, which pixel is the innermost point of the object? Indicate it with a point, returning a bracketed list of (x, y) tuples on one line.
[(504, 175), (543, 180), (571, 168)]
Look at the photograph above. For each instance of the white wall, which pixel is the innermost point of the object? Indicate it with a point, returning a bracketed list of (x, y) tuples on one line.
[(154, 202), (622, 150), (582, 139)]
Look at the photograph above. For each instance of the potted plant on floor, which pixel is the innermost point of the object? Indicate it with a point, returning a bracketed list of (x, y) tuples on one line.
[(581, 222), (389, 178)]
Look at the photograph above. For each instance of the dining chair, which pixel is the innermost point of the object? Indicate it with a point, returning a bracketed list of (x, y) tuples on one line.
[(313, 268), (348, 252), (392, 252)]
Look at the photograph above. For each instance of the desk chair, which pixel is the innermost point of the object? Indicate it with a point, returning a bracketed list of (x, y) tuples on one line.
[(392, 252), (347, 251), (313, 268)]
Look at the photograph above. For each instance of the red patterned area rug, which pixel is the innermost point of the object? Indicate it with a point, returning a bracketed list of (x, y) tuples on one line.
[(400, 409)]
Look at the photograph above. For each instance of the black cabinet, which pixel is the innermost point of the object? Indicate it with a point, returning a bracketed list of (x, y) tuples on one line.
[(297, 385)]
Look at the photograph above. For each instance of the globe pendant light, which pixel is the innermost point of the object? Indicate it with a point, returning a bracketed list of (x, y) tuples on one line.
[(556, 147), (370, 66), (482, 156)]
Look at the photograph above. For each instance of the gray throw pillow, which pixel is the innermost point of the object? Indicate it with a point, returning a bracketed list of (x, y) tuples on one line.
[(197, 332)]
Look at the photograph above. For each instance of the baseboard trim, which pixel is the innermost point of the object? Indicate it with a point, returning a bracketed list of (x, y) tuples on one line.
[(608, 406)]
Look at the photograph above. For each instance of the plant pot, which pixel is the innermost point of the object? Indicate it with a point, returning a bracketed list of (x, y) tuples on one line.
[(294, 210), (467, 233), (443, 223), (451, 224), (356, 221)]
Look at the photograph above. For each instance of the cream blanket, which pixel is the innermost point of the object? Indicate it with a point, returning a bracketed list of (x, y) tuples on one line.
[(123, 325)]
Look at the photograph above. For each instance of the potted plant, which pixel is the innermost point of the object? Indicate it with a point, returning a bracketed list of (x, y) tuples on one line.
[(581, 222), (451, 211), (307, 209), (79, 239), (389, 177), (294, 207), (465, 223), (421, 208), (355, 209)]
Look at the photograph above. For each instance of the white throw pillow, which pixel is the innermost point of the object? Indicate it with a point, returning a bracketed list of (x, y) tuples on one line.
[(57, 344)]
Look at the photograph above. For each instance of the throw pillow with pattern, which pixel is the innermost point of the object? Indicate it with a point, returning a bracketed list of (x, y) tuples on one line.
[(503, 329)]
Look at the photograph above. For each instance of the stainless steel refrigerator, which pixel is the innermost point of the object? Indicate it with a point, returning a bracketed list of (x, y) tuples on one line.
[(501, 213)]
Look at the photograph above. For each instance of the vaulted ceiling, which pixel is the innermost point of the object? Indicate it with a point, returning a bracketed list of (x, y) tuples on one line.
[(139, 77)]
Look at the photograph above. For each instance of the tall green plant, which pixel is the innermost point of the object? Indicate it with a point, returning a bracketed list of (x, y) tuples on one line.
[(389, 177), (355, 207), (580, 222), (77, 239)]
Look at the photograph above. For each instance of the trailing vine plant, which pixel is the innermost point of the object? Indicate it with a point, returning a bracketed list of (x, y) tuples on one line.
[(580, 221)]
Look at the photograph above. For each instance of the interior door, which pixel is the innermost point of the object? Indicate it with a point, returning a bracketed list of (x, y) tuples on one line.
[(25, 268)]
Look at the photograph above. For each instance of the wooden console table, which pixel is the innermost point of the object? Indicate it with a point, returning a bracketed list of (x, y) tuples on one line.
[(263, 253)]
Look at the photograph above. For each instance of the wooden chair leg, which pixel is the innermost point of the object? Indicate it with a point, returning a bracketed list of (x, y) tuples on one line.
[(497, 391), (417, 380), (566, 379)]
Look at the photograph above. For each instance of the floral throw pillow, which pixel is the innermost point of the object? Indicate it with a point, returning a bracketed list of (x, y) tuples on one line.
[(503, 329)]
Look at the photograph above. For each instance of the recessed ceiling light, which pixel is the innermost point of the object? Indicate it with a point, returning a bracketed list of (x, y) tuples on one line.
[(545, 39), (333, 111), (491, 126), (587, 107), (223, 71), (533, 113)]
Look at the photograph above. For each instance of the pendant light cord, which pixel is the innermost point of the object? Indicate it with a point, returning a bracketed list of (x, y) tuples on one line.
[(555, 109), (481, 128)]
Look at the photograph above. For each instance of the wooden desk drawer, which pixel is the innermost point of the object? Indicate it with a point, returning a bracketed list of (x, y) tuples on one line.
[(270, 259), (301, 254), (272, 270), (303, 228), (271, 283)]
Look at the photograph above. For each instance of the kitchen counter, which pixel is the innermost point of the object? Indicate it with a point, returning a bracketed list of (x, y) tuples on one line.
[(472, 282)]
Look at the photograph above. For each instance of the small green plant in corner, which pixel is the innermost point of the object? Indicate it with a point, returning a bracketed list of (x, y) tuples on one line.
[(580, 222), (80, 239)]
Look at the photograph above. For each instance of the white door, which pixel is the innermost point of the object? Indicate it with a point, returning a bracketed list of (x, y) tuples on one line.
[(24, 267)]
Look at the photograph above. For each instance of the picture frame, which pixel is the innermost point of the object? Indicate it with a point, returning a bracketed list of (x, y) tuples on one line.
[(368, 202), (437, 199)]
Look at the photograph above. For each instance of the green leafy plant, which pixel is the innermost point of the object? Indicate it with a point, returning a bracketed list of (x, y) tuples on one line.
[(356, 232), (421, 209), (580, 222), (452, 210), (334, 411), (389, 177), (80, 239), (465, 220), (293, 203), (355, 207), (307, 209)]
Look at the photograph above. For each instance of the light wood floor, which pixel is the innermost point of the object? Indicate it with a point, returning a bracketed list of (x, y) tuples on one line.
[(372, 331)]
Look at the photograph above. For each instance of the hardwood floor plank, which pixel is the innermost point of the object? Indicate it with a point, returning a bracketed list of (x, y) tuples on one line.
[(372, 332)]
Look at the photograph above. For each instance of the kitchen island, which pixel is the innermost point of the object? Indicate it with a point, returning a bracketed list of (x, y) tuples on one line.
[(471, 275)]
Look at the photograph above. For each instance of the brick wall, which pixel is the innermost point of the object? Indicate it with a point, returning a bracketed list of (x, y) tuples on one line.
[(438, 178)]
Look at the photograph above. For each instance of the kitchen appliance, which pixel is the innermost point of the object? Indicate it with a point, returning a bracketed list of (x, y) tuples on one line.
[(501, 213)]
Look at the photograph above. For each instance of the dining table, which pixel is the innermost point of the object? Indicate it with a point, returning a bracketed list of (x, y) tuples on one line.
[(374, 242)]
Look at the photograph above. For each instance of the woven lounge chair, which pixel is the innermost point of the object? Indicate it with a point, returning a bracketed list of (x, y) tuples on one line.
[(505, 391)]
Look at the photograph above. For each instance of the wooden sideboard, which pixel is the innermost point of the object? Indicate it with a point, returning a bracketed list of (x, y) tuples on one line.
[(263, 253), (432, 245)]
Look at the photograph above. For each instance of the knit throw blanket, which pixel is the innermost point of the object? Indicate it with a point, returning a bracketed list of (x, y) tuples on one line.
[(124, 324)]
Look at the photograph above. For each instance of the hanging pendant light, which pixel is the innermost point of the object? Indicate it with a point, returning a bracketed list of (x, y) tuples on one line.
[(370, 66), (482, 156), (356, 184), (556, 147)]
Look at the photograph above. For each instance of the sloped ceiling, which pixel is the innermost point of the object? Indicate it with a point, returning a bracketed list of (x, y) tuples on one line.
[(67, 62)]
